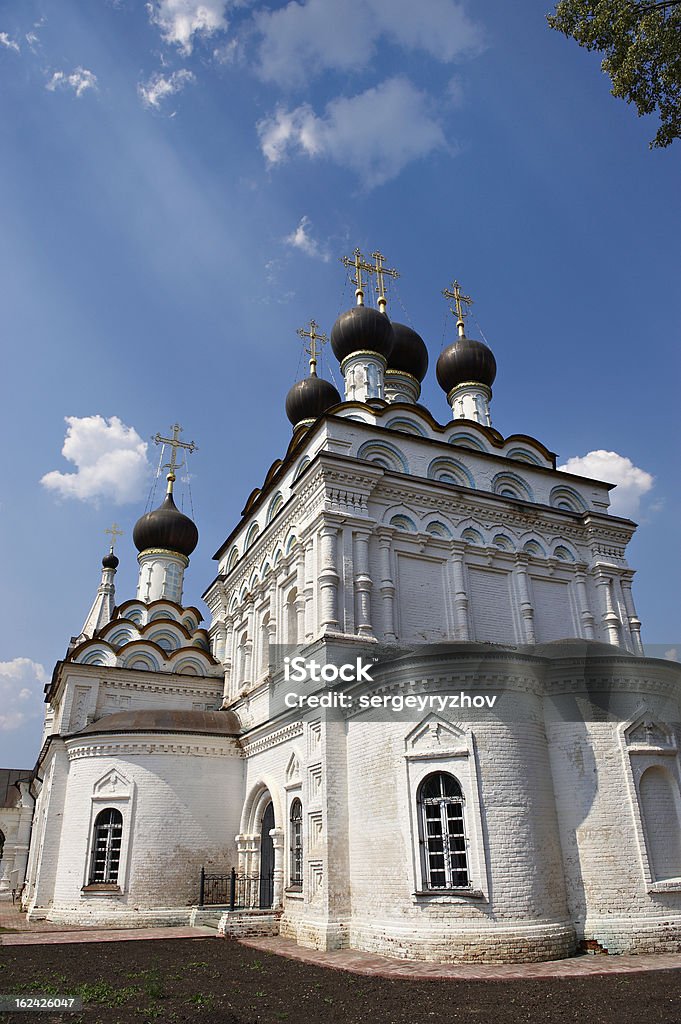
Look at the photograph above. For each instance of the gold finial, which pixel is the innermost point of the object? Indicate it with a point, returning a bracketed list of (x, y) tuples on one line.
[(380, 271), (459, 302), (115, 532), (360, 264), (312, 349), (174, 443)]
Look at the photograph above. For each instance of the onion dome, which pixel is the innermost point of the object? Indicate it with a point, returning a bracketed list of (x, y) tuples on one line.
[(409, 353), (110, 561), (361, 329), (465, 361), (167, 528), (309, 398)]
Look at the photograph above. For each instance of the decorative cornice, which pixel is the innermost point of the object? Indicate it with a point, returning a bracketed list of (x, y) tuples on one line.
[(256, 746), (119, 747)]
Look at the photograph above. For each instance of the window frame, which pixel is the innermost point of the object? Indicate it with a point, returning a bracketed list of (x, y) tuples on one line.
[(110, 875), (446, 835), (295, 846), (437, 746)]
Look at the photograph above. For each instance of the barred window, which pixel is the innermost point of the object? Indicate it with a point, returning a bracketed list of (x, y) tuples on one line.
[(106, 846), (443, 835), (296, 845)]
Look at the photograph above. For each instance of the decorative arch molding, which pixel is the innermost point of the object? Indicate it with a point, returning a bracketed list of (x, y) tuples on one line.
[(291, 541), (301, 467), (563, 553), (232, 558), (404, 523), (275, 506), (509, 485), (438, 528), (251, 535), (523, 455), (451, 471), (261, 792), (464, 439), (94, 652), (406, 425), (474, 536), (383, 454), (534, 548), (567, 498), (503, 542)]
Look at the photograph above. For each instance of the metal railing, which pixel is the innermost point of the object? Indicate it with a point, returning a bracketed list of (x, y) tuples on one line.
[(236, 892)]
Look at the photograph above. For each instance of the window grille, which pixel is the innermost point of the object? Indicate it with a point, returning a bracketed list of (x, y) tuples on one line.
[(443, 835), (296, 845), (106, 847)]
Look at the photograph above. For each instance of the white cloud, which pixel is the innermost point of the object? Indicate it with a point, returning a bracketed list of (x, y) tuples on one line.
[(79, 80), (21, 692), (110, 459), (160, 86), (632, 482), (301, 39), (181, 20), (303, 240), (8, 43), (375, 133)]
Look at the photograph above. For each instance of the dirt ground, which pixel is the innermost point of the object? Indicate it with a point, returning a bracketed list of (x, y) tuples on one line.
[(223, 982)]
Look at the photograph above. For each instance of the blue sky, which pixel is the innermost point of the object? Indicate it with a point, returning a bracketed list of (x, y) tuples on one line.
[(178, 181)]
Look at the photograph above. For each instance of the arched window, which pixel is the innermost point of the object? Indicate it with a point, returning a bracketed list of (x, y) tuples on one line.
[(106, 847), (296, 845), (443, 836)]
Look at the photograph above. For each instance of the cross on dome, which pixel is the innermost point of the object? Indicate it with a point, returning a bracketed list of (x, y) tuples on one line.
[(175, 444), (312, 349), (459, 302)]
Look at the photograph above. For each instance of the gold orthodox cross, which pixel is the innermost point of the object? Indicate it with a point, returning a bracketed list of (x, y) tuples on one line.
[(459, 302), (380, 271), (312, 349), (174, 443), (360, 264), (115, 532)]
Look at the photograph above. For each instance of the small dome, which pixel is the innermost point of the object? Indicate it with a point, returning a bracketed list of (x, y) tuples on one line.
[(167, 528), (361, 328), (309, 398), (206, 723), (409, 353), (110, 561), (465, 360)]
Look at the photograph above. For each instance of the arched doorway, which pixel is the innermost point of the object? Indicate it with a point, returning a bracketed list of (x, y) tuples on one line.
[(267, 858)]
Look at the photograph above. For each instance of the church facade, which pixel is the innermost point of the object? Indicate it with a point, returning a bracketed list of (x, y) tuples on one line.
[(503, 784)]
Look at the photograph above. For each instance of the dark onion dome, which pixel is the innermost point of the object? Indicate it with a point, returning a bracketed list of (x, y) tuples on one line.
[(206, 723), (465, 360), (166, 527), (361, 329), (409, 353), (309, 398), (110, 561)]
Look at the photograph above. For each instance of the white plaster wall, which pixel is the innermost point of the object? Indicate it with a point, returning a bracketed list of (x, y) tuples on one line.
[(182, 812)]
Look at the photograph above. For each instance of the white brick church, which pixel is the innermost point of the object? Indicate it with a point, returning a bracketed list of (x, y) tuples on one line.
[(473, 568)]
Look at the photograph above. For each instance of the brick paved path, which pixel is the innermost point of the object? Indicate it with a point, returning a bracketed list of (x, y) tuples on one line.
[(40, 932), (31, 933), (385, 967)]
